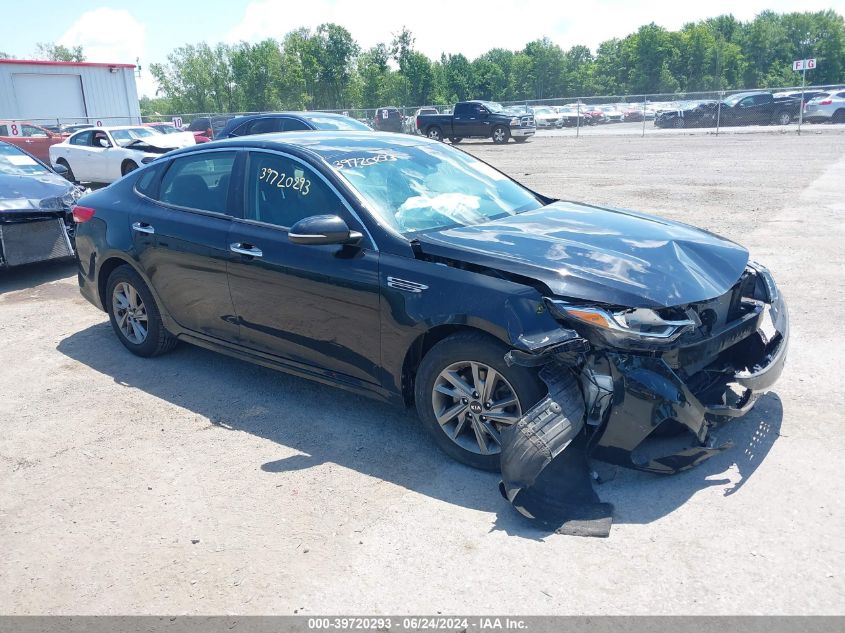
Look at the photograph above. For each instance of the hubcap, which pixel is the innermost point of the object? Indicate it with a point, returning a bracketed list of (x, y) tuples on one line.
[(434, 134), (130, 313), (473, 403), (499, 134)]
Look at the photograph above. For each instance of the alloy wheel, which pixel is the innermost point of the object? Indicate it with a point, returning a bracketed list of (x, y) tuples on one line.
[(473, 403), (499, 135), (130, 313)]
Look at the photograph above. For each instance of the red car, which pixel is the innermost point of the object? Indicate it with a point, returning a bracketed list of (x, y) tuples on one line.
[(30, 138)]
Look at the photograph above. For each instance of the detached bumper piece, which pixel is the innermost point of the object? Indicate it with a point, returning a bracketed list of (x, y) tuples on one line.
[(33, 241), (544, 481)]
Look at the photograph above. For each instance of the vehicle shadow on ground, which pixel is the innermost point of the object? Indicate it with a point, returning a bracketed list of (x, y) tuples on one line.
[(326, 425), (32, 275)]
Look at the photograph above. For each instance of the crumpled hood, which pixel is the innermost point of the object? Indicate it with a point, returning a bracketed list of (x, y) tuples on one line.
[(37, 193), (164, 141), (599, 255)]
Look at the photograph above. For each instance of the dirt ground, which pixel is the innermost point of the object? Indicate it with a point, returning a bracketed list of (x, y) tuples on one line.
[(194, 483)]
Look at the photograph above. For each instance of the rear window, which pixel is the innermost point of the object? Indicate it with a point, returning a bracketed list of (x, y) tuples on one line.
[(338, 123)]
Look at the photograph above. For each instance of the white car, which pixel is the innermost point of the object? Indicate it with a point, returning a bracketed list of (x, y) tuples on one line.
[(106, 154), (545, 117)]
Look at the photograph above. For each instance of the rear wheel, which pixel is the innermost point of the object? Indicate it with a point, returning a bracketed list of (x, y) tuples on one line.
[(782, 118), (501, 134), (456, 139), (838, 117), (520, 139), (134, 315), (466, 395), (435, 133)]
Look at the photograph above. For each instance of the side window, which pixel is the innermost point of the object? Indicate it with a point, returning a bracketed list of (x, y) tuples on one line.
[(199, 181), (463, 109), (291, 125), (32, 131), (83, 138), (747, 102), (282, 191), (265, 125), (761, 99), (149, 179), (4, 131)]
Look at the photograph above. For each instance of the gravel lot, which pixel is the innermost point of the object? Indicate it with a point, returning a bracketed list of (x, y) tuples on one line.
[(194, 483)]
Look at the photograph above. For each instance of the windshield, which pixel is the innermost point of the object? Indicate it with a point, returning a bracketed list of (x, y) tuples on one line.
[(427, 187), (165, 129), (14, 162), (337, 123), (543, 111), (127, 135)]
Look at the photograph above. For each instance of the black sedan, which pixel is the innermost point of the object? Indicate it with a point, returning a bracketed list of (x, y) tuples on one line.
[(289, 122), (411, 271), (35, 209)]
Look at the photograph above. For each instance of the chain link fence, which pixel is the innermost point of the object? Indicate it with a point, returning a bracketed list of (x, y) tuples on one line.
[(637, 114)]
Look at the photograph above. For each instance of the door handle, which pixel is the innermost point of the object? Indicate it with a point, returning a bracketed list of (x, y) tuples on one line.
[(143, 227), (245, 249)]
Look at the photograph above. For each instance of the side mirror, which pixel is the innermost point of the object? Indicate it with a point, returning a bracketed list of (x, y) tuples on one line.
[(321, 230), (104, 143), (60, 169)]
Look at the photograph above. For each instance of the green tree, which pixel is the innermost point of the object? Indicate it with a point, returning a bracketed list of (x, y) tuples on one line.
[(58, 53)]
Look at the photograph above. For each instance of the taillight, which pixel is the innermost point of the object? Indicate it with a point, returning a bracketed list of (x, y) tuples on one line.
[(418, 123), (82, 214), (826, 102)]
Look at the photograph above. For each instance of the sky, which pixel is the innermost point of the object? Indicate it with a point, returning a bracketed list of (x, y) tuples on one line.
[(121, 32)]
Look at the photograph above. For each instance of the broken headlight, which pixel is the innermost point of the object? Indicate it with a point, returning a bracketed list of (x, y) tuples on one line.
[(635, 326)]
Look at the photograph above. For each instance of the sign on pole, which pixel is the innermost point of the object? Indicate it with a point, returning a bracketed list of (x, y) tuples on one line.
[(177, 122), (804, 64)]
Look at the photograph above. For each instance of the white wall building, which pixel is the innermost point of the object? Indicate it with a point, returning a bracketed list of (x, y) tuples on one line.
[(72, 92)]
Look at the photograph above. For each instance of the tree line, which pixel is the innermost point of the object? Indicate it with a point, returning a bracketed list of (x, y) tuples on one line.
[(325, 68)]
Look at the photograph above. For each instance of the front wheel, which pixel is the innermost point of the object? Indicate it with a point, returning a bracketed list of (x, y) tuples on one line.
[(134, 315), (435, 134), (127, 167), (466, 395), (520, 139), (501, 134), (69, 175)]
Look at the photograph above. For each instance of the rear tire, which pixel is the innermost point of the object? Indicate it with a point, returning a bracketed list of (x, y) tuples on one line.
[(456, 139), (520, 139), (434, 133), (458, 435), (838, 117), (134, 314)]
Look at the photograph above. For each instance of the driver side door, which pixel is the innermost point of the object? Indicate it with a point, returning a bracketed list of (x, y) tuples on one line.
[(314, 306)]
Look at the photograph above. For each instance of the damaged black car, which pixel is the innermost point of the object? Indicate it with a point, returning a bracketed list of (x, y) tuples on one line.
[(35, 210), (519, 326)]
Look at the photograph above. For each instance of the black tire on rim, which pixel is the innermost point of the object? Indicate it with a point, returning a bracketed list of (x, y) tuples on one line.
[(69, 175), (520, 139), (134, 315), (434, 133), (838, 117), (466, 394), (127, 166), (782, 118), (456, 139), (501, 134)]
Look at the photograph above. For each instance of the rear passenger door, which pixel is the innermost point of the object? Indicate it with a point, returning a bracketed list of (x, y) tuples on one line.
[(317, 306), (180, 233)]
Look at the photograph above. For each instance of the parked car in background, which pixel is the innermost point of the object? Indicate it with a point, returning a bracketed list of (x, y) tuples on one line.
[(208, 127), (289, 122), (105, 154), (826, 107), (417, 114), (182, 137), (35, 209), (545, 117), (409, 271), (31, 138), (744, 108), (570, 115), (388, 119), (612, 114), (478, 119)]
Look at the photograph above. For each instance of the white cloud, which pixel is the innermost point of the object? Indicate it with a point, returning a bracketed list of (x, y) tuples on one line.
[(469, 28), (111, 36)]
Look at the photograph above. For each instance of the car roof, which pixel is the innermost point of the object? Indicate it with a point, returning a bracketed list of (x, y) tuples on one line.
[(322, 144)]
